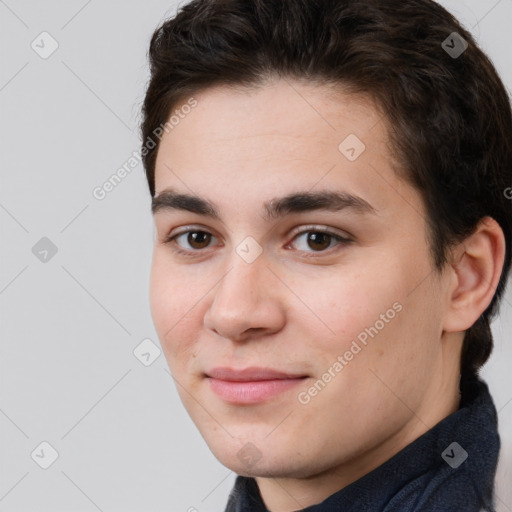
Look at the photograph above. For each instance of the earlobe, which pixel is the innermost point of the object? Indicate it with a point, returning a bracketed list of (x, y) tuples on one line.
[(476, 271)]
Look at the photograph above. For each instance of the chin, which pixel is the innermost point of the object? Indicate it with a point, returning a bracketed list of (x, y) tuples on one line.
[(259, 459), (264, 469)]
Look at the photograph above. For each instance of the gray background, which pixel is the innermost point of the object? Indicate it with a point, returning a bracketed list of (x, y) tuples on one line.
[(69, 324)]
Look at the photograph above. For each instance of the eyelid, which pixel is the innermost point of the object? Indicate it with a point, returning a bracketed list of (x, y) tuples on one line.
[(321, 229), (186, 229), (296, 231)]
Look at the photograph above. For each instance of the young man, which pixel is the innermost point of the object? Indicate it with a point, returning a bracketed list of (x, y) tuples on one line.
[(333, 236)]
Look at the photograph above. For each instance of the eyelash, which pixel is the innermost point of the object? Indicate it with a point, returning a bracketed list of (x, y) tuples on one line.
[(309, 229)]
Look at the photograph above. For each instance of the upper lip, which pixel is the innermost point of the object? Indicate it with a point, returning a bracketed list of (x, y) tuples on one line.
[(250, 374)]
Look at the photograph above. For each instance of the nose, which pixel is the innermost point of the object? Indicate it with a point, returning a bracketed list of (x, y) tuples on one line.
[(246, 302)]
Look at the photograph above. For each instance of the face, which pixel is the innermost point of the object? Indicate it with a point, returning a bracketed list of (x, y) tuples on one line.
[(301, 333)]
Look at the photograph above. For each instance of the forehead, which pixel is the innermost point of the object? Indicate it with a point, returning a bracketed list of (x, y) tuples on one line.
[(280, 109), (287, 135)]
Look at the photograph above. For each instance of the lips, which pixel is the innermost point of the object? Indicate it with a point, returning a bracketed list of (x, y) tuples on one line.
[(250, 374), (250, 385)]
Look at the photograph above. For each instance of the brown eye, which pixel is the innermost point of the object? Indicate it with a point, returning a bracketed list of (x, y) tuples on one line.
[(318, 241), (198, 239), (315, 241), (190, 243)]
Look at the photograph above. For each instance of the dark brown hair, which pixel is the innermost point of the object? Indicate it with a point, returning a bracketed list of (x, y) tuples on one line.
[(449, 116)]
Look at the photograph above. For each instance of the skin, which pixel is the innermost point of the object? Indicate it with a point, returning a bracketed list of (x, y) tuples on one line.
[(296, 307)]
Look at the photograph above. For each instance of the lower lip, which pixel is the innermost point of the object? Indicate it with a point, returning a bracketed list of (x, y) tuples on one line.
[(251, 392)]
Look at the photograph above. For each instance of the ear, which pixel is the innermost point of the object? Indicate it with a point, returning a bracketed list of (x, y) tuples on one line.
[(475, 267)]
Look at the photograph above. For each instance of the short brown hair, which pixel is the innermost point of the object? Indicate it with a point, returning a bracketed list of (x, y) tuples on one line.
[(450, 116)]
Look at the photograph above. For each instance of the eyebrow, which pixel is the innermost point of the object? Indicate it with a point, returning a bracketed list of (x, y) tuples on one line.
[(278, 207)]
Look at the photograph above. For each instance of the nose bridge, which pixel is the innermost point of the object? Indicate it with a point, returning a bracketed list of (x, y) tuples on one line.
[(242, 284), (242, 299)]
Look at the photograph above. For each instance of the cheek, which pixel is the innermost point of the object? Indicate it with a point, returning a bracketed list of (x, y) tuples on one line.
[(162, 301), (171, 302), (373, 317), (347, 305)]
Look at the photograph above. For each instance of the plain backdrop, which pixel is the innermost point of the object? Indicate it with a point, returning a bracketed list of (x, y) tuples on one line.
[(74, 271)]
